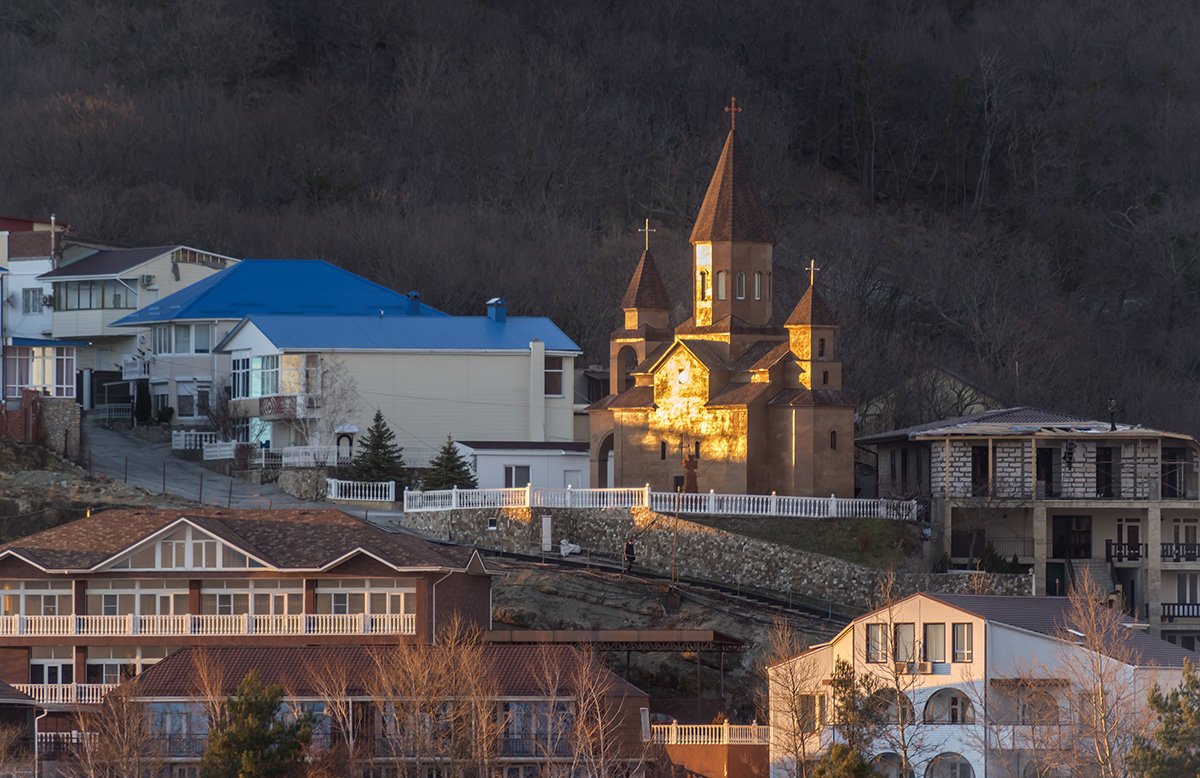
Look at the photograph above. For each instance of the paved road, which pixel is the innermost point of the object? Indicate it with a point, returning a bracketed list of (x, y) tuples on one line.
[(110, 449)]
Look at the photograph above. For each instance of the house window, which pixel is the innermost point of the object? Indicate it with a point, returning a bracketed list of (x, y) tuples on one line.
[(1108, 471), (810, 713), (224, 604), (183, 339), (162, 340), (554, 376), (201, 338), (264, 376), (340, 603), (877, 643), (964, 649), (757, 285), (739, 286), (905, 644), (516, 476), (31, 301), (934, 647), (981, 471), (49, 371), (108, 605), (240, 380), (721, 284)]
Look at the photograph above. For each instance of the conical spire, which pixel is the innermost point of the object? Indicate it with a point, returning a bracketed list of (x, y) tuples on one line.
[(810, 311), (731, 211), (646, 289)]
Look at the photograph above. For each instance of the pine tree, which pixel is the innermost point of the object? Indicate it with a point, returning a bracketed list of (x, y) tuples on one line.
[(251, 740), (449, 469), (379, 459)]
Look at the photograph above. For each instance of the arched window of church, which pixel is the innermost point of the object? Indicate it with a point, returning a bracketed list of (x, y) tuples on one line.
[(662, 449), (825, 378), (703, 285), (833, 438), (628, 365), (757, 285), (821, 347), (739, 286), (697, 449), (720, 284)]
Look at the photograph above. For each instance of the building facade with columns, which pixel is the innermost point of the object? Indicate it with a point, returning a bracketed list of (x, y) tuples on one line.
[(757, 402), (1065, 497)]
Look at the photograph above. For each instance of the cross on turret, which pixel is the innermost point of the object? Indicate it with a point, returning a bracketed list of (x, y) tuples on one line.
[(733, 111), (812, 271), (647, 229)]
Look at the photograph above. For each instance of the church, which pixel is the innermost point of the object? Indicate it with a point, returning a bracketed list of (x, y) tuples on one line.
[(749, 405)]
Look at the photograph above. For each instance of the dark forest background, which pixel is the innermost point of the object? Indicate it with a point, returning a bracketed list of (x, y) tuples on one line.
[(1007, 189)]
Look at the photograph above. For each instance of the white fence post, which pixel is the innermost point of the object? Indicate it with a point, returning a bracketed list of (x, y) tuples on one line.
[(454, 497), (646, 497)]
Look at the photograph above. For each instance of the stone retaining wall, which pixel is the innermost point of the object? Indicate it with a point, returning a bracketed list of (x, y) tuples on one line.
[(700, 551), (60, 417), (304, 484)]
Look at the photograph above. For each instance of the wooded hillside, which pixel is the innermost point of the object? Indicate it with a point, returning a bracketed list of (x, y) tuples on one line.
[(1005, 188)]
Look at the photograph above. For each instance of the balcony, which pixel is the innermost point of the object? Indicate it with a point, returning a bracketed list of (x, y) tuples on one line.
[(209, 625), (1181, 610), (281, 407), (134, 367), (1125, 552), (1180, 552), (66, 693), (710, 734)]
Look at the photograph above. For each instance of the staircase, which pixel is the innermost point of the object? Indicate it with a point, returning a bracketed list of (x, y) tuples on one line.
[(1097, 570)]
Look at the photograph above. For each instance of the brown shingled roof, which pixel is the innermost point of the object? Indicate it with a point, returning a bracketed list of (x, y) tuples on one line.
[(646, 289), (512, 667), (634, 397), (812, 397), (810, 310), (286, 539), (731, 210)]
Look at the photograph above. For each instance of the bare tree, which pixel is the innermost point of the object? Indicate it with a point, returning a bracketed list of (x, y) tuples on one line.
[(346, 746), (796, 704), (326, 397), (120, 740), (16, 751)]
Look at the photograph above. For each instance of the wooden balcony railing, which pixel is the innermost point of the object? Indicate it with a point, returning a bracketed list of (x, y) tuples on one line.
[(1180, 552), (1181, 610), (211, 625)]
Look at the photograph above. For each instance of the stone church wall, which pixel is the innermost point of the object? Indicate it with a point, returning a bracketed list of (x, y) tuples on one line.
[(700, 551)]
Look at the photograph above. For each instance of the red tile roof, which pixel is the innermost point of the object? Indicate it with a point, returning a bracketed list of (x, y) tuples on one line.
[(514, 668), (811, 310), (286, 539), (646, 289), (731, 210)]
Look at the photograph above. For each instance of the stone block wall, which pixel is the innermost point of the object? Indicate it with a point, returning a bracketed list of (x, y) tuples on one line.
[(306, 484), (1011, 469), (698, 551), (60, 421)]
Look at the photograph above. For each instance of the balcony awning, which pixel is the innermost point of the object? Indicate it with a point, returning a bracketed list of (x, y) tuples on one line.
[(48, 343)]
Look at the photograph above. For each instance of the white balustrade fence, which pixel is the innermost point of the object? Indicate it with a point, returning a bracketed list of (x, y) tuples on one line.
[(112, 413), (222, 449), (66, 693), (209, 624), (191, 440), (710, 734), (373, 491), (711, 504)]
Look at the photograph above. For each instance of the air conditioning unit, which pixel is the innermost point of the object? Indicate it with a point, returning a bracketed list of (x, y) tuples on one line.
[(48, 301), (924, 668), (146, 280)]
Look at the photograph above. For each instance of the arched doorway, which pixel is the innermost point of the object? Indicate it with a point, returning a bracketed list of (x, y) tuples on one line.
[(603, 464)]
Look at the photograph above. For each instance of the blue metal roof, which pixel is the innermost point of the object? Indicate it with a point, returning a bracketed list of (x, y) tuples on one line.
[(297, 287), (408, 333), (44, 343)]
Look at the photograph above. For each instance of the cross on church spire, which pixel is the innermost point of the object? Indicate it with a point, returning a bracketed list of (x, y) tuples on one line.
[(733, 111), (812, 271), (647, 229)]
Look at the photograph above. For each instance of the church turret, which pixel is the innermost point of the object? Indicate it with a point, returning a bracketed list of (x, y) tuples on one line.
[(647, 310), (732, 245), (812, 337)]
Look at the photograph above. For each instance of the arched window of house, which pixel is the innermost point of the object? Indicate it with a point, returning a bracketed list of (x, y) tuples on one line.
[(703, 285), (757, 285), (720, 284), (821, 347), (833, 438), (739, 286)]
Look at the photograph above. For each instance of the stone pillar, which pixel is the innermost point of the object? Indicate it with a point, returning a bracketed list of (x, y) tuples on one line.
[(1040, 541), (1151, 592)]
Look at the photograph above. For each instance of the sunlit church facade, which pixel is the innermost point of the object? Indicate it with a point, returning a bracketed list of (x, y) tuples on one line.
[(759, 404)]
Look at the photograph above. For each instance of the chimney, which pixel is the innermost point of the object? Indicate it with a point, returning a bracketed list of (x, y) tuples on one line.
[(414, 303), (497, 310)]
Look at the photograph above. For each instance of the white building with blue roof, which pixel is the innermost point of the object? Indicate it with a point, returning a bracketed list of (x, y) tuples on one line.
[(482, 378)]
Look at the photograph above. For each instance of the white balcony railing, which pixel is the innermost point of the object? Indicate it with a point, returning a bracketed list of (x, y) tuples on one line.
[(210, 625), (372, 491), (711, 504), (191, 440), (112, 413), (66, 693), (710, 734)]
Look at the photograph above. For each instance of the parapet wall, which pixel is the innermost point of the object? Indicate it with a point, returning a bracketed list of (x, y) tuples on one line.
[(699, 551)]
